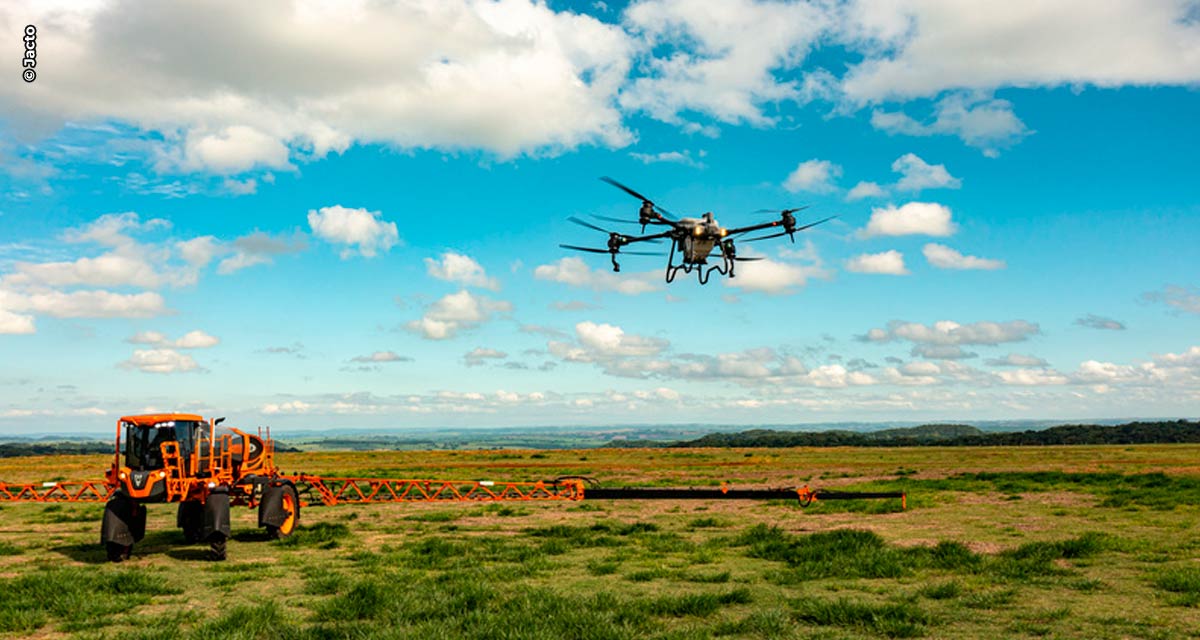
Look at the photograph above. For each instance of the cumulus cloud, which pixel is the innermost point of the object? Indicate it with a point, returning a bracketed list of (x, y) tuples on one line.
[(916, 174), (941, 352), (888, 263), (15, 323), (923, 49), (84, 304), (456, 267), (948, 332), (480, 355), (362, 231), (160, 361), (778, 277), (719, 59), (914, 218), (864, 190), (456, 312), (575, 272), (1016, 360), (191, 340), (1093, 321), (814, 175), (985, 123), (509, 77), (943, 257), (1032, 377)]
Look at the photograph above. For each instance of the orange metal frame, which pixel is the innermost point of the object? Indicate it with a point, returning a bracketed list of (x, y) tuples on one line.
[(331, 491)]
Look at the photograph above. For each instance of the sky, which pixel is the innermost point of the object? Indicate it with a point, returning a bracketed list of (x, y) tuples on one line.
[(318, 215)]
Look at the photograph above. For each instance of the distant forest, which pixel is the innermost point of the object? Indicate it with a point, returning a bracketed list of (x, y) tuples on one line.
[(20, 449), (950, 435)]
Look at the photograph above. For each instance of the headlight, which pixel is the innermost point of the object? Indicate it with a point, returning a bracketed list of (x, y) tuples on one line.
[(123, 476)]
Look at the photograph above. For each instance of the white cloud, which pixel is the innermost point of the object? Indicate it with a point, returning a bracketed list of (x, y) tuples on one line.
[(234, 149), (456, 312), (294, 406), (363, 230), (944, 257), (813, 175), (456, 267), (199, 251), (864, 190), (776, 277), (916, 174), (575, 272), (610, 340), (191, 340), (985, 123), (381, 356), (1016, 360), (1032, 377), (719, 57), (480, 355), (941, 352), (948, 332), (925, 48), (670, 157), (15, 323), (914, 218), (84, 304), (510, 77), (160, 361), (888, 262)]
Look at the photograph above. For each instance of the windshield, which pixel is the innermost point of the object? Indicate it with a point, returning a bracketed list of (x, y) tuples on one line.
[(143, 444)]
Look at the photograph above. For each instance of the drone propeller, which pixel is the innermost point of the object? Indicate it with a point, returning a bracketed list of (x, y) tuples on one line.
[(619, 252), (751, 259), (661, 211), (589, 225), (788, 231), (608, 219), (571, 246), (782, 210)]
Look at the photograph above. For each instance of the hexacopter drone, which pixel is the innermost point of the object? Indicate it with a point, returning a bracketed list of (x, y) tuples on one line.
[(693, 238)]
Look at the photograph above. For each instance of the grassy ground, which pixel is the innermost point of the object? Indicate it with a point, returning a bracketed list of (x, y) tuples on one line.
[(1080, 542)]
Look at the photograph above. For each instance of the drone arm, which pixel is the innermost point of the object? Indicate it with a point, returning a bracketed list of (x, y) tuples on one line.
[(653, 236), (754, 227)]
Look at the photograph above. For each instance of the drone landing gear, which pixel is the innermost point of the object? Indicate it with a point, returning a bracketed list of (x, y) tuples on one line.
[(703, 271)]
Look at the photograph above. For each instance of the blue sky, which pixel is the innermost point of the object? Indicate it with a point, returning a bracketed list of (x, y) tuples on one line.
[(331, 217)]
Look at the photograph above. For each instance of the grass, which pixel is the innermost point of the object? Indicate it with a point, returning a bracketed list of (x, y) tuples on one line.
[(1182, 582), (967, 560)]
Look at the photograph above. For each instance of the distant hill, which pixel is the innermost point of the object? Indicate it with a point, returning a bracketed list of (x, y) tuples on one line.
[(21, 449), (955, 435)]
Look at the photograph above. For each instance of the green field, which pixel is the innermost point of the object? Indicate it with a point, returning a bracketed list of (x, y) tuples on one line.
[(1079, 542)]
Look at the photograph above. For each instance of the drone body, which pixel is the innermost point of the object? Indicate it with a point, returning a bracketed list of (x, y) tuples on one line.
[(694, 239)]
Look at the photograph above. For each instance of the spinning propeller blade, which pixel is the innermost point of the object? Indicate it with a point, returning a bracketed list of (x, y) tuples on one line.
[(588, 224), (661, 211), (773, 235), (608, 219), (571, 246)]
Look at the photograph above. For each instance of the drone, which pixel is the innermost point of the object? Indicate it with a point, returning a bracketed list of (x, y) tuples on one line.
[(693, 238)]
